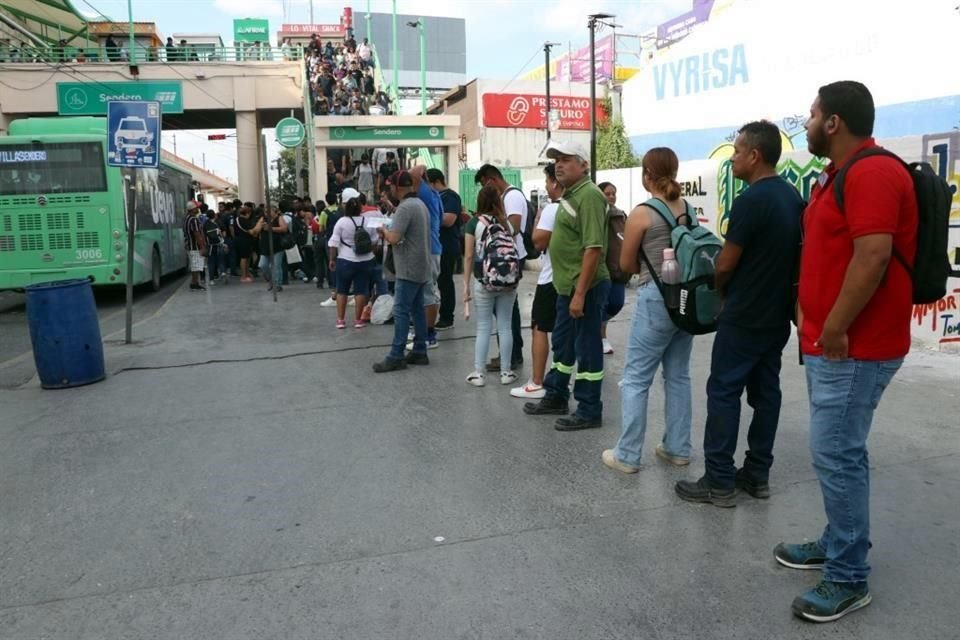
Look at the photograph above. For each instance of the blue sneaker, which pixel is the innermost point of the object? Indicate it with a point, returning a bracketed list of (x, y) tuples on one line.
[(829, 601), (809, 555)]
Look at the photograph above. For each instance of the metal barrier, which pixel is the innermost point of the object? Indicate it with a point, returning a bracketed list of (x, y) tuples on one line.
[(177, 55)]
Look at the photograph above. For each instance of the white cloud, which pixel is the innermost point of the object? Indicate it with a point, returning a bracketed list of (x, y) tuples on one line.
[(250, 8)]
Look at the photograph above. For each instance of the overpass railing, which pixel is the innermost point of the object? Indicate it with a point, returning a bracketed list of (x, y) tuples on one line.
[(178, 55)]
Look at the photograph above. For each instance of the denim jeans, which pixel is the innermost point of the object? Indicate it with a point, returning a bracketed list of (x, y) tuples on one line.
[(217, 260), (378, 286), (615, 301), (320, 263), (484, 304), (276, 273), (843, 396), (407, 301), (448, 292), (655, 340), (577, 342), (743, 358)]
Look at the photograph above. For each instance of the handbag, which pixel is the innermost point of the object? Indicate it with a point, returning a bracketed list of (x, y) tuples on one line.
[(293, 255)]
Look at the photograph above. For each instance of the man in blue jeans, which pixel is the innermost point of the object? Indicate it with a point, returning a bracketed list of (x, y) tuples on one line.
[(854, 317), (754, 271), (577, 249), (409, 238)]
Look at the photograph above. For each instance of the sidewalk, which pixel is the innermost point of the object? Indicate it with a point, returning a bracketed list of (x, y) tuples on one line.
[(286, 491)]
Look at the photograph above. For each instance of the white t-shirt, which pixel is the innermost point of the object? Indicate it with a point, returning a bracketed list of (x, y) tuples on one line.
[(344, 230), (514, 203), (547, 218)]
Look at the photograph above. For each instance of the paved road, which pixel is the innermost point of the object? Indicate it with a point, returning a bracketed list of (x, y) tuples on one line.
[(16, 360), (241, 474)]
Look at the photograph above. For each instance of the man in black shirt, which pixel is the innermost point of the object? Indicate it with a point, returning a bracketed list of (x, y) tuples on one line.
[(450, 241), (387, 169), (755, 273)]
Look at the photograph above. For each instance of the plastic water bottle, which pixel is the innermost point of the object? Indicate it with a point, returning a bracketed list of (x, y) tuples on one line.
[(670, 277)]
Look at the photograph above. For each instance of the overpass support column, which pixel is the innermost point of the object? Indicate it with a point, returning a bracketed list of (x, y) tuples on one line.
[(318, 177), (5, 120), (249, 167)]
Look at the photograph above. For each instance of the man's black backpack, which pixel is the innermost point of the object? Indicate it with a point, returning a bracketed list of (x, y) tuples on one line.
[(212, 233), (532, 252), (298, 229), (931, 267), (362, 242)]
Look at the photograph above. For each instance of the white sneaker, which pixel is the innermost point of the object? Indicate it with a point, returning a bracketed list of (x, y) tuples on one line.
[(431, 344), (607, 347), (507, 377), (529, 390), (477, 379), (329, 302)]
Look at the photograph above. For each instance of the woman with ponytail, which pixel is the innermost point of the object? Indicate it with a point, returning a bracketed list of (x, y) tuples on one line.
[(654, 340)]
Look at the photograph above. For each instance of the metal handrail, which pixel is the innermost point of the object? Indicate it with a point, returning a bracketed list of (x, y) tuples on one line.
[(177, 55)]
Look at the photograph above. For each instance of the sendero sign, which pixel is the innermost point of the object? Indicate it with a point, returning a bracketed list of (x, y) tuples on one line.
[(251, 30), (90, 99), (529, 111), (290, 133), (386, 133)]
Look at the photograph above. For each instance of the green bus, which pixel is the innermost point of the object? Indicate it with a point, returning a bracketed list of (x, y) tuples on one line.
[(63, 211)]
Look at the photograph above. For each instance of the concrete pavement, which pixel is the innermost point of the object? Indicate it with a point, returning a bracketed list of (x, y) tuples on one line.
[(243, 474)]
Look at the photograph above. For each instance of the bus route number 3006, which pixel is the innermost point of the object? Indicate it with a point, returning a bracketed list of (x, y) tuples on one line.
[(89, 254)]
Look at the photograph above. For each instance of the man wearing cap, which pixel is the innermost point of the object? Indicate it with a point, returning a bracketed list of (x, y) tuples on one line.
[(195, 244), (578, 249), (409, 238), (431, 297)]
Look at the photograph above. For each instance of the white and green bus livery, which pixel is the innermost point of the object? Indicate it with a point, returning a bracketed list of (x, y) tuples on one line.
[(63, 211)]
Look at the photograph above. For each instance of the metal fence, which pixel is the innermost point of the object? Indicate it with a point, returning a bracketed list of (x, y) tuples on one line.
[(179, 54)]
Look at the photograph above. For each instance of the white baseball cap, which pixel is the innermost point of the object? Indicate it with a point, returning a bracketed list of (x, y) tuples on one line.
[(349, 194), (567, 148)]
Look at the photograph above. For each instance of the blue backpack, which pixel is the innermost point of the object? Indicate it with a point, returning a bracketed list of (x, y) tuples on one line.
[(696, 249)]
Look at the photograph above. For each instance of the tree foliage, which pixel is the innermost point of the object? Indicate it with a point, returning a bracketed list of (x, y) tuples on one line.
[(613, 147), (287, 173)]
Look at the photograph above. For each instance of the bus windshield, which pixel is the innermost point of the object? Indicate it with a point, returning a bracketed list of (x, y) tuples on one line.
[(56, 167)]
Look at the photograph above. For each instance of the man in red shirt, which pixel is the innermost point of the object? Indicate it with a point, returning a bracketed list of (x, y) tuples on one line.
[(854, 318)]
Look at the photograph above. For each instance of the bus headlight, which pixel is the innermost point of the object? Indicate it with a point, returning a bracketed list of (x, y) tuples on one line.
[(119, 257), (118, 246), (116, 233)]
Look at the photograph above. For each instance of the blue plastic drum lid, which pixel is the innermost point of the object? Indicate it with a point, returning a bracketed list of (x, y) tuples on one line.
[(65, 333)]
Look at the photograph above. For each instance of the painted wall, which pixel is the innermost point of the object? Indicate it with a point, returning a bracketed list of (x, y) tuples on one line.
[(762, 59), (710, 187)]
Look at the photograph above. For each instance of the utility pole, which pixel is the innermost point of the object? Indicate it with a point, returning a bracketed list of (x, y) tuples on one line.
[(423, 68), (423, 65), (396, 61), (132, 56), (592, 25), (311, 11), (546, 74), (369, 34)]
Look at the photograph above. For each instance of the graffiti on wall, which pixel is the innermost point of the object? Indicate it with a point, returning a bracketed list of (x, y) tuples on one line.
[(935, 324)]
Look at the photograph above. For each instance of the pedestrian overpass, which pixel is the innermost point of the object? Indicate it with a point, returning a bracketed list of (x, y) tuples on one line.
[(232, 92)]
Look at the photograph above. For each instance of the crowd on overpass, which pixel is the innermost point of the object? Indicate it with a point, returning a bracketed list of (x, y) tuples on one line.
[(342, 79)]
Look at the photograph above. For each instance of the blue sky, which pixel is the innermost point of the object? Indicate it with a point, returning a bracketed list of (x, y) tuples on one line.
[(504, 37)]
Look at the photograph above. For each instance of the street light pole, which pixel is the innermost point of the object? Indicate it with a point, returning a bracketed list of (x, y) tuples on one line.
[(396, 61), (546, 68), (423, 69), (423, 65), (132, 56), (592, 25), (369, 34)]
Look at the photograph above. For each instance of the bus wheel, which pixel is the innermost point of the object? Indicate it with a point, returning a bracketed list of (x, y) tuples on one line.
[(155, 270)]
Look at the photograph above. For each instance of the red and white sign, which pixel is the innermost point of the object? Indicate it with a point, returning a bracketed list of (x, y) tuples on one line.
[(307, 29), (528, 111)]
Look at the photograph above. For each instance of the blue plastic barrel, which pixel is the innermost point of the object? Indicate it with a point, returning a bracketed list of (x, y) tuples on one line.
[(65, 333)]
